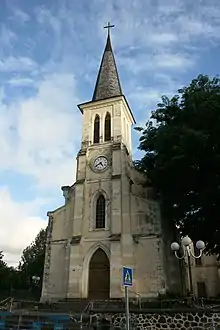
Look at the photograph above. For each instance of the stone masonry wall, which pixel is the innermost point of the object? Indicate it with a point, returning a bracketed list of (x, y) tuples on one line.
[(195, 320)]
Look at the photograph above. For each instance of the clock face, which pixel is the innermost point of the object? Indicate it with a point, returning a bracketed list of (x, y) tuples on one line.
[(100, 164)]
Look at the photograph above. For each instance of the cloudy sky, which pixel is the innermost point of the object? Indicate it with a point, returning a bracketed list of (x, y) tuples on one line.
[(50, 52)]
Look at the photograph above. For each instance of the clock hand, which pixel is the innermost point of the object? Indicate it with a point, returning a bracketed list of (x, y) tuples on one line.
[(100, 163)]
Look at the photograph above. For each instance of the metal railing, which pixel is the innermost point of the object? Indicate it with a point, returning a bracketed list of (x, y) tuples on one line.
[(138, 299), (84, 312), (6, 304), (4, 301)]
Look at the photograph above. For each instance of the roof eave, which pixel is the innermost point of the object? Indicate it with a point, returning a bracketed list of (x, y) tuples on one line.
[(81, 105)]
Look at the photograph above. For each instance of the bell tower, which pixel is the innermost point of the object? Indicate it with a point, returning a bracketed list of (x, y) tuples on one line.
[(107, 117), (101, 178)]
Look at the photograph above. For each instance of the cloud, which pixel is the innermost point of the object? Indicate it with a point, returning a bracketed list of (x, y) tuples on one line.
[(153, 24), (142, 63), (21, 81), (19, 223), (40, 135), (13, 63), (146, 98), (7, 36), (19, 15), (163, 38), (173, 61)]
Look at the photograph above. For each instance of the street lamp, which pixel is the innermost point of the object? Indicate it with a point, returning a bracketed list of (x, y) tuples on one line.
[(36, 279), (188, 248)]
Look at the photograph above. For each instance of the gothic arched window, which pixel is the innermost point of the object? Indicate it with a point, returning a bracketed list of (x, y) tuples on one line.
[(100, 212), (108, 127), (96, 129)]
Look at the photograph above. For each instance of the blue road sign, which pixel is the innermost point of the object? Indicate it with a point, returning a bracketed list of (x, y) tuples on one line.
[(127, 276)]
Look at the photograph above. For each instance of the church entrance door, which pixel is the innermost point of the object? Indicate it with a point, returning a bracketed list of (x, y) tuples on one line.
[(99, 276)]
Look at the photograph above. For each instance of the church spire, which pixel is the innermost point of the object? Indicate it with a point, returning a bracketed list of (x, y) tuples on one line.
[(107, 83)]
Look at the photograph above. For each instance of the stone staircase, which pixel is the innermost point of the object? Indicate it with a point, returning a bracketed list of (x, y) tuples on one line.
[(34, 315), (79, 305), (74, 314), (76, 305)]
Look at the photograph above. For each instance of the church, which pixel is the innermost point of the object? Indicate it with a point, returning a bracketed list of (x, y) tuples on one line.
[(109, 218)]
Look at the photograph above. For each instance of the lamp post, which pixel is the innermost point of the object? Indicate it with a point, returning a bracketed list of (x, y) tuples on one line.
[(36, 279), (188, 248), (36, 286)]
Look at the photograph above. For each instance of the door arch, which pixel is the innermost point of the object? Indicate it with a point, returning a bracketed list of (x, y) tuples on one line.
[(99, 275)]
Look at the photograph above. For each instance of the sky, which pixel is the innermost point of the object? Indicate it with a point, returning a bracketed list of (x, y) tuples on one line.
[(50, 53)]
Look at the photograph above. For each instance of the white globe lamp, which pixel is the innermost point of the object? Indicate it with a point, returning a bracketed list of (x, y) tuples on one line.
[(200, 245), (175, 246), (186, 241)]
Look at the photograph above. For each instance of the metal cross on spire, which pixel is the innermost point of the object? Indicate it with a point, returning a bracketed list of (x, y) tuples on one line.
[(108, 26)]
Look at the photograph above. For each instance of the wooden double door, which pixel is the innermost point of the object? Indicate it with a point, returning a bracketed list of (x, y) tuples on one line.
[(99, 276)]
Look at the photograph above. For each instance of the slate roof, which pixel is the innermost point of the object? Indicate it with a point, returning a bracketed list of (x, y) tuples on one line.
[(107, 84)]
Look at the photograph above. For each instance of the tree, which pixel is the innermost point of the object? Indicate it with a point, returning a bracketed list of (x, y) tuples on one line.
[(2, 263), (32, 264), (32, 259), (181, 142), (4, 274), (3, 268)]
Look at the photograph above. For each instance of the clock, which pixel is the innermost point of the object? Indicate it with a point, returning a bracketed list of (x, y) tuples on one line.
[(100, 164)]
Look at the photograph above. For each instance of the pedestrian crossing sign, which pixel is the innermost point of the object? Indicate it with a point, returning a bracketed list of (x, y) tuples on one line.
[(127, 276)]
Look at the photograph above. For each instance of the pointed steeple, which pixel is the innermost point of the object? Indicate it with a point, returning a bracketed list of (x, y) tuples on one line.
[(107, 83)]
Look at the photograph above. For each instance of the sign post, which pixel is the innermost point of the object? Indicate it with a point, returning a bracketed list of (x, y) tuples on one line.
[(127, 280)]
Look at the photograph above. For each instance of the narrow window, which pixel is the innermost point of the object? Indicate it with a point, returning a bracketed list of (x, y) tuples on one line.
[(100, 212), (107, 127), (96, 129)]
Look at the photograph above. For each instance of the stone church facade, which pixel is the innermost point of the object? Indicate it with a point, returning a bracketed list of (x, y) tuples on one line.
[(109, 218)]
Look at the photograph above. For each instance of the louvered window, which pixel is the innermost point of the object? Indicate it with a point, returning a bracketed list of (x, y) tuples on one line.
[(108, 127), (96, 129)]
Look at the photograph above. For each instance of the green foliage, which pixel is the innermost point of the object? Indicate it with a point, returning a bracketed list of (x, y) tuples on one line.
[(181, 142), (32, 260), (3, 273), (2, 263), (13, 281)]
